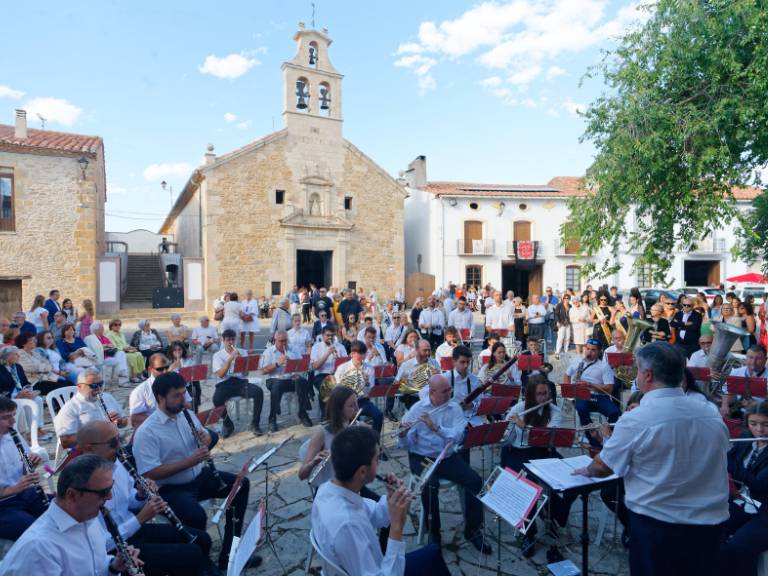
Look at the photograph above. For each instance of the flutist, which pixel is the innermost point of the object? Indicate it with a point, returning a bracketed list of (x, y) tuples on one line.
[(426, 431), (164, 549), (167, 451), (68, 538), (85, 407), (20, 489)]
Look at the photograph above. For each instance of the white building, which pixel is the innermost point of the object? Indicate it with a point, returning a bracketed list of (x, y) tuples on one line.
[(466, 233)]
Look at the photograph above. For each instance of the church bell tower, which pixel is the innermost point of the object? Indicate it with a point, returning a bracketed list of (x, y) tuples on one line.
[(311, 85)]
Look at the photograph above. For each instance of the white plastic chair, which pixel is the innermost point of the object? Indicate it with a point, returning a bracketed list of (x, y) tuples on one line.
[(34, 446), (329, 568), (60, 396)]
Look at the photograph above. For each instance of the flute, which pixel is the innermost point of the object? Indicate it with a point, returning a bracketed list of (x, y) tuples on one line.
[(320, 465), (748, 440), (200, 444), (429, 413), (147, 489), (132, 567), (26, 464)]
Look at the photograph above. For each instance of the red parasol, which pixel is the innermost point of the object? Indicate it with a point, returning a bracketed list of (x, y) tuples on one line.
[(751, 278)]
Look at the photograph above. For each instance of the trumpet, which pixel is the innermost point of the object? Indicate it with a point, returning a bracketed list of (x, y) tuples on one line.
[(320, 465), (415, 422)]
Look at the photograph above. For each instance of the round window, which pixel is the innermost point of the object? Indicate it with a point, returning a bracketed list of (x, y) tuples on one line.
[(523, 207), (473, 205)]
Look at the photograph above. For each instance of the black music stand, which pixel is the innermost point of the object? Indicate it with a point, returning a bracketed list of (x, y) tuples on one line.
[(485, 435)]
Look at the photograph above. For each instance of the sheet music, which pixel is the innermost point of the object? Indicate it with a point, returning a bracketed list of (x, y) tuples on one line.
[(264, 457), (247, 544), (511, 497), (431, 470), (558, 472)]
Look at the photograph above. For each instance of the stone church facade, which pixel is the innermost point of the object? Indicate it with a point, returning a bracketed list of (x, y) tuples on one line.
[(299, 205)]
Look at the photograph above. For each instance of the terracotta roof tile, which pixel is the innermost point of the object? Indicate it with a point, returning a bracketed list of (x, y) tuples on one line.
[(48, 140)]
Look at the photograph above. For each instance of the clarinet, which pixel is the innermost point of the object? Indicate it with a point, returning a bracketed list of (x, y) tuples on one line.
[(199, 440), (147, 489), (133, 569), (120, 450), (26, 464)]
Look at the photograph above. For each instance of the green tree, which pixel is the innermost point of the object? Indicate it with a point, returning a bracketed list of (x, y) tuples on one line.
[(684, 119)]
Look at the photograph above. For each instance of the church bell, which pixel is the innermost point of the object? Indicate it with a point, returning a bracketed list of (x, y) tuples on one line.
[(325, 99), (312, 56), (301, 94)]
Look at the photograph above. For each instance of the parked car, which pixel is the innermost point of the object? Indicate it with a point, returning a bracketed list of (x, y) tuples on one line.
[(710, 292), (756, 290), (652, 295)]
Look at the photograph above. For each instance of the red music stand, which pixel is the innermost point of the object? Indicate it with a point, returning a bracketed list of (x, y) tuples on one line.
[(384, 371), (506, 390), (616, 359), (734, 426), (500, 332), (490, 406), (484, 359), (551, 437), (297, 366), (465, 334), (576, 391), (210, 417), (197, 373), (381, 390), (247, 363), (446, 363), (702, 373), (485, 434), (529, 362), (747, 386), (339, 361)]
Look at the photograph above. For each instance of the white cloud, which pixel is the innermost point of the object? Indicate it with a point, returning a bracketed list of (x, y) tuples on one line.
[(243, 125), (522, 38), (157, 172), (229, 117), (54, 110), (8, 92), (490, 82), (228, 67)]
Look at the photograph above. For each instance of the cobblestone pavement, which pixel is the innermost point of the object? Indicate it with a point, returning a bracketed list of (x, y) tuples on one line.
[(290, 504)]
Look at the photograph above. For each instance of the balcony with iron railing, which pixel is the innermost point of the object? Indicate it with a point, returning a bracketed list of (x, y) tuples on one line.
[(475, 247), (710, 246), (537, 244)]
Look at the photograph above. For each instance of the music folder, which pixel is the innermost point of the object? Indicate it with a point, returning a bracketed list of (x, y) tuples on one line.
[(244, 546), (700, 373), (485, 434), (380, 390), (247, 363), (543, 437), (747, 386), (616, 359), (512, 391), (558, 472), (578, 391), (512, 497), (297, 366), (196, 373), (211, 416), (494, 405), (527, 362)]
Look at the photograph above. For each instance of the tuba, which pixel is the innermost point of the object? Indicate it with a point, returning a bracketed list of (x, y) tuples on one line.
[(417, 379), (636, 328), (725, 335), (356, 379)]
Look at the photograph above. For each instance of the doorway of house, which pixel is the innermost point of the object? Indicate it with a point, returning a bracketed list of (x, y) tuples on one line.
[(521, 281), (313, 266), (701, 272)]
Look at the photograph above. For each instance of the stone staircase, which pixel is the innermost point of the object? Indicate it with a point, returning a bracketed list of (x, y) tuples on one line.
[(144, 276)]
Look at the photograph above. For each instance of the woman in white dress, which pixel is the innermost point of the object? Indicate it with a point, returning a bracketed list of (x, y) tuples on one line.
[(37, 314), (233, 313), (580, 315)]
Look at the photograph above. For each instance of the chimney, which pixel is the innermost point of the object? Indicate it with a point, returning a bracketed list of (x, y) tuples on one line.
[(21, 124), (416, 175), (210, 156)]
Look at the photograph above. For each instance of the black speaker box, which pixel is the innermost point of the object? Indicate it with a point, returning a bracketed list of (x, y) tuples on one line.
[(168, 298)]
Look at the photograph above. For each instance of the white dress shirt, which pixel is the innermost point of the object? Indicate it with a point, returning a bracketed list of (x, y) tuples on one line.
[(78, 411), (395, 334), (348, 367), (165, 440), (450, 422), (298, 340), (124, 500), (532, 310), (433, 317), (142, 400), (318, 351), (461, 320), (205, 335), (515, 438), (445, 350), (218, 361), (498, 317), (271, 356), (10, 460), (58, 545), (378, 358), (671, 451), (595, 372), (698, 360), (343, 524)]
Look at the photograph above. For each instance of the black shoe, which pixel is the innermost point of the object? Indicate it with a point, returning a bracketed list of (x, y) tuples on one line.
[(479, 543), (256, 429), (528, 547), (625, 538), (305, 420), (227, 428), (273, 426), (553, 555), (391, 415)]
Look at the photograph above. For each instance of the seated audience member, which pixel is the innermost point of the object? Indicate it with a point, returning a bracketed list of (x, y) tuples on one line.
[(107, 356), (21, 322), (205, 338), (14, 384), (5, 324), (37, 368), (46, 345), (20, 501), (343, 522), (74, 351), (58, 323), (177, 332), (133, 357), (146, 339), (85, 407)]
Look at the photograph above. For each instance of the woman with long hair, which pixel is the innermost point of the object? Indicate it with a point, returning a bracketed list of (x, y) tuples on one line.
[(749, 323), (714, 310), (38, 315), (86, 318), (728, 314), (37, 367), (179, 356), (74, 351), (46, 344), (636, 306), (496, 360)]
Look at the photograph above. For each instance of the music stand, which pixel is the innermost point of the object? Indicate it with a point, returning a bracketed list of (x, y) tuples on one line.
[(734, 426), (485, 435), (384, 371), (446, 363), (577, 391), (493, 405), (700, 373), (508, 390), (542, 437), (616, 359), (245, 364), (465, 334), (381, 390), (339, 361), (211, 416), (747, 386), (297, 366), (529, 362), (197, 373), (244, 546)]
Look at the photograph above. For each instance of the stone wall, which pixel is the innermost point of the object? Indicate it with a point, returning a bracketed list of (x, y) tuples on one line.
[(59, 226)]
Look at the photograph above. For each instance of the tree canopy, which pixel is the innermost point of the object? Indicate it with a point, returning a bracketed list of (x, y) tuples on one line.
[(684, 119)]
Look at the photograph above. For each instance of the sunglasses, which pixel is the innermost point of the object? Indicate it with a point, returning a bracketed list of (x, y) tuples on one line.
[(160, 368), (96, 385), (103, 493), (603, 300), (687, 305)]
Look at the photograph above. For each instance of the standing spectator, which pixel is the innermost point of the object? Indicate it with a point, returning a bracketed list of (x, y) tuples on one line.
[(418, 306), (293, 299), (250, 321), (322, 302), (69, 311), (306, 306), (549, 301), (38, 315), (52, 304), (281, 318), (749, 323), (86, 318), (580, 315), (233, 313), (432, 323), (536, 318), (563, 319), (520, 320), (687, 323), (349, 305)]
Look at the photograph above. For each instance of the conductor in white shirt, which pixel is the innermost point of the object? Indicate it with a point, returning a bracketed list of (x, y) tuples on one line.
[(344, 523), (671, 452)]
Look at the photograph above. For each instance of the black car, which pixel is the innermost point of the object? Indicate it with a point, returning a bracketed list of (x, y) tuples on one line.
[(651, 296)]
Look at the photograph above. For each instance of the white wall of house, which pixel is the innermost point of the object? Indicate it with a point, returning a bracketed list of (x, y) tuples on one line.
[(140, 241)]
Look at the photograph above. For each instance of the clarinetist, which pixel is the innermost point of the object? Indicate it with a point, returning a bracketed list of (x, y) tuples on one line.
[(68, 537), (21, 490), (167, 451), (163, 549), (426, 436), (85, 407)]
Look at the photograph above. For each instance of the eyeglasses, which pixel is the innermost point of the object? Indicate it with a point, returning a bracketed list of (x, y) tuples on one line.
[(96, 385), (160, 368), (112, 442), (103, 493), (687, 305), (603, 300)]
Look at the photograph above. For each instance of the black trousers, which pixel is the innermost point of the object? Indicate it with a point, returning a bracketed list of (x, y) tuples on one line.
[(613, 497), (164, 550), (659, 548), (748, 538), (184, 501), (234, 386), (316, 382), (18, 512), (279, 386), (455, 469)]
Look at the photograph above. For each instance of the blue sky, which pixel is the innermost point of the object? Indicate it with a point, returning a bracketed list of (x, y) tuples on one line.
[(487, 91)]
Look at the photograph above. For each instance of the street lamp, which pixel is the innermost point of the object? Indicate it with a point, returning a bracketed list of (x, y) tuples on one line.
[(83, 163), (165, 185)]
